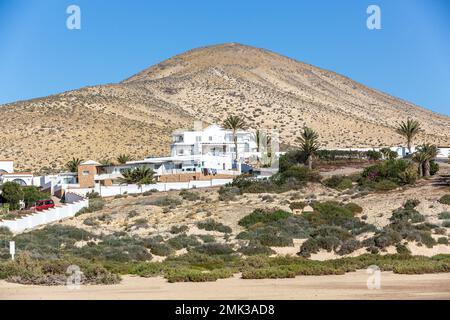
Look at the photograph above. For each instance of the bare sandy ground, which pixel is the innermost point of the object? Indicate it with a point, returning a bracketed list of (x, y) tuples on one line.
[(348, 286)]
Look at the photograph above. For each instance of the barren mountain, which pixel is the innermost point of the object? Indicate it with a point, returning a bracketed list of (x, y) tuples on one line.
[(271, 91)]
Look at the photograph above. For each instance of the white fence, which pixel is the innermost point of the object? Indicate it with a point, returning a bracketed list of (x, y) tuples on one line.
[(47, 216), (111, 191)]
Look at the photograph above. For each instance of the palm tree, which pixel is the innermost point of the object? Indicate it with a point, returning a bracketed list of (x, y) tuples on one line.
[(420, 158), (408, 130), (139, 176), (124, 158), (309, 144), (73, 164), (234, 123), (430, 151)]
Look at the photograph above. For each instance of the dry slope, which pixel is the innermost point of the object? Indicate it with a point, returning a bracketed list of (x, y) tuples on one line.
[(269, 90)]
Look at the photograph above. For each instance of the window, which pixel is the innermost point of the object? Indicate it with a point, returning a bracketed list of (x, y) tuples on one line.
[(181, 151), (198, 138), (210, 138), (85, 172)]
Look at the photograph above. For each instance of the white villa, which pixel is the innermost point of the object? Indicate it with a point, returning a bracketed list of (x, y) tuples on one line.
[(195, 155)]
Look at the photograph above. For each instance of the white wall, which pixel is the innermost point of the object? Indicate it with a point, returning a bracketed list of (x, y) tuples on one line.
[(7, 166), (132, 189), (48, 216)]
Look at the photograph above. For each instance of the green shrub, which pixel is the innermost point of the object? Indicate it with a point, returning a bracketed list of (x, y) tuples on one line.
[(445, 199), (402, 249), (211, 225), (32, 194), (214, 249), (267, 236), (206, 238), (374, 155), (194, 275), (255, 248), (190, 196), (269, 273), (297, 205), (385, 185), (411, 203), (12, 193), (147, 269), (261, 216), (354, 208), (228, 193), (178, 229), (410, 215), (348, 246), (183, 241), (161, 249), (309, 247), (444, 215), (164, 201), (339, 182), (434, 167)]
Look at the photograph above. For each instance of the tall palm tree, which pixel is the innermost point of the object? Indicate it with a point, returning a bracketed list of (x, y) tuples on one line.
[(408, 129), (72, 165), (124, 158), (430, 151), (139, 176), (309, 144), (234, 123)]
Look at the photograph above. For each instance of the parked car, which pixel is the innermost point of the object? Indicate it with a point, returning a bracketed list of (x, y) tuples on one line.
[(44, 205)]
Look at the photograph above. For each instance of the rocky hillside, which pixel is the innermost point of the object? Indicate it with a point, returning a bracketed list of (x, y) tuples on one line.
[(271, 91)]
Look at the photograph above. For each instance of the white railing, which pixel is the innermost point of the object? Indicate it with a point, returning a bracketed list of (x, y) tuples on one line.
[(36, 219)]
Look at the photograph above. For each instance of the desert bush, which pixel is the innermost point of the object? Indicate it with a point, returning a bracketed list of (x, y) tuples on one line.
[(206, 238), (348, 246), (194, 275), (90, 222), (183, 241), (147, 269), (228, 193), (255, 248), (385, 185), (374, 155), (309, 247), (411, 203), (163, 201), (214, 248), (445, 199), (442, 240), (446, 224), (160, 249), (267, 236), (261, 216), (338, 182), (297, 205), (211, 225), (402, 249), (434, 167), (444, 215), (395, 171), (268, 273), (354, 208), (178, 229), (189, 195), (405, 214)]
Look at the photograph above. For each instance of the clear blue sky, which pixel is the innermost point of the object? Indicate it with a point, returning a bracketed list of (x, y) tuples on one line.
[(408, 58)]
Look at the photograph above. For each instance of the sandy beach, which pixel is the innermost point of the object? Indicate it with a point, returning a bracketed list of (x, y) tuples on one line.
[(348, 286)]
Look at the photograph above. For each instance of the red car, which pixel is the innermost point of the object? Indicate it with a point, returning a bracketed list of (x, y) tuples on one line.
[(44, 205)]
